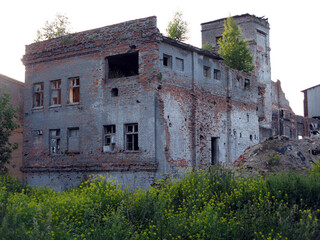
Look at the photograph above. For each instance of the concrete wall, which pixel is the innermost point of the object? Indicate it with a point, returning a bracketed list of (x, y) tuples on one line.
[(312, 99), (15, 89)]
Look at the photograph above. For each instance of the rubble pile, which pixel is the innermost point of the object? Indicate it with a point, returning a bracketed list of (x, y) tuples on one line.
[(280, 154)]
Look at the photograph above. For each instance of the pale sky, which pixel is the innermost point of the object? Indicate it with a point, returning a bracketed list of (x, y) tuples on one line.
[(294, 33)]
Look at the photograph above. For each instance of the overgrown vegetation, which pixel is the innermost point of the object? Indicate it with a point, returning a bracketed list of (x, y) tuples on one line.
[(177, 27), (208, 47), (8, 115), (234, 48), (59, 27), (211, 204)]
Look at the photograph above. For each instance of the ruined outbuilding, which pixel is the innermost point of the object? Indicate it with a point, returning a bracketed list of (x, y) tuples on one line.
[(15, 89), (124, 100)]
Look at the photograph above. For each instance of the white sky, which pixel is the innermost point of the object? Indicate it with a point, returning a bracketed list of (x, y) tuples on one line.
[(294, 34)]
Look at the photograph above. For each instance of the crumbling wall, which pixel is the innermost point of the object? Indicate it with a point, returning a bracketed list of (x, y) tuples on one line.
[(104, 100)]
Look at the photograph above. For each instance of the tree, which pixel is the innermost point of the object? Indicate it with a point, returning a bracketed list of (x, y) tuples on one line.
[(57, 28), (7, 125), (234, 49), (177, 28)]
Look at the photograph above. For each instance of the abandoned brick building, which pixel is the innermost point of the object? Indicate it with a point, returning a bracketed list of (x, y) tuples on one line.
[(124, 100)]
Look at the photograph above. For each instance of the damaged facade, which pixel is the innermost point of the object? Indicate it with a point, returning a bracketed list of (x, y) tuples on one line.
[(124, 100)]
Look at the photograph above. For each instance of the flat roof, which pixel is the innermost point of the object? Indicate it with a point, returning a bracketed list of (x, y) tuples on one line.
[(311, 88)]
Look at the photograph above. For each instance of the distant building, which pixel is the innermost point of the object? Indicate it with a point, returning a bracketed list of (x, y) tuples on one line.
[(16, 90), (311, 102)]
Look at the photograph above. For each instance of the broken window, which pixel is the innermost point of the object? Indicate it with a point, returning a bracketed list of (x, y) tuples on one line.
[(38, 95), (55, 92), (167, 60), (206, 71), (73, 140), (54, 141), (180, 64), (131, 137), (123, 65), (216, 74), (109, 138), (246, 83), (74, 90)]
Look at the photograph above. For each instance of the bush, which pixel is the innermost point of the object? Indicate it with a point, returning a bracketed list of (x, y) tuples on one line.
[(213, 204)]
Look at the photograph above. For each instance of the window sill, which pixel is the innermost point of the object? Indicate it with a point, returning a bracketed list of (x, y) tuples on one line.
[(37, 108), (73, 104), (131, 151), (55, 106)]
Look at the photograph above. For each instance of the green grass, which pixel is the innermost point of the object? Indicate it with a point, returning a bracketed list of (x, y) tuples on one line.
[(213, 204)]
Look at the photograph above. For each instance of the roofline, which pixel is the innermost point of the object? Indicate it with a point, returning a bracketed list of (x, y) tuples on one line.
[(237, 16), (190, 47), (310, 88), (11, 79)]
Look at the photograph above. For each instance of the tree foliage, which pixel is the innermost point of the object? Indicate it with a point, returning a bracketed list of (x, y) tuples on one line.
[(234, 49), (59, 27), (7, 125), (208, 47), (177, 27)]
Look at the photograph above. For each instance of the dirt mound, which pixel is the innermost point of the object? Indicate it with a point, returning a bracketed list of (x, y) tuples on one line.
[(280, 154)]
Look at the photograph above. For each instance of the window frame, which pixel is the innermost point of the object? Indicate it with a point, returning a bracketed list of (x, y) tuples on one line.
[(216, 74), (57, 137), (109, 132), (72, 89), (55, 89), (206, 71), (133, 136), (168, 61), (39, 93)]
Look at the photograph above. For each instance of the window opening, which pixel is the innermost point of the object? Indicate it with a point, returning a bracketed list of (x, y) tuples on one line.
[(167, 61), (206, 71), (73, 140), (74, 90), (109, 138), (123, 65), (247, 83), (55, 141), (217, 74), (217, 40), (180, 64), (214, 150), (38, 95), (55, 92), (131, 137), (114, 92)]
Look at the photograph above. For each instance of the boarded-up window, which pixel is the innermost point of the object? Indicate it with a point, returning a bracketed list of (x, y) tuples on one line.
[(131, 137), (38, 95), (179, 64), (54, 141), (73, 140), (74, 90), (55, 92)]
